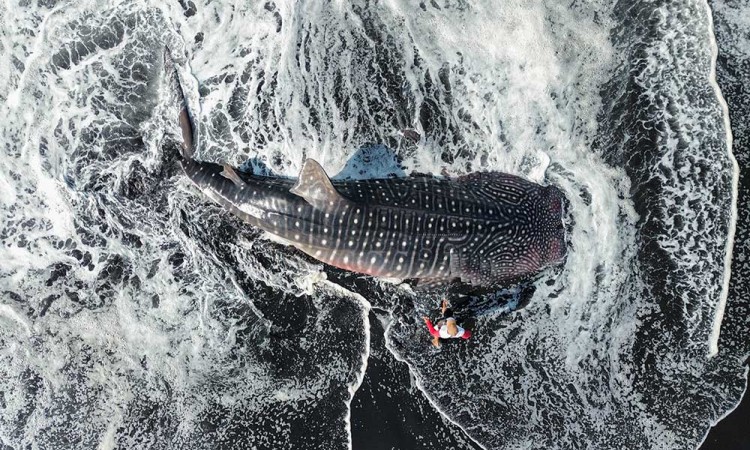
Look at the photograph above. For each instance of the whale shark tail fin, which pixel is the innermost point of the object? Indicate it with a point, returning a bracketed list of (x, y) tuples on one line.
[(186, 123), (316, 188)]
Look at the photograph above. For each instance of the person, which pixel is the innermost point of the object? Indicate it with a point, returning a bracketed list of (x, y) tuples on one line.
[(447, 327)]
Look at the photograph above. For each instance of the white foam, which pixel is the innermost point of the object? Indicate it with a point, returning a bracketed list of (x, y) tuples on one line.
[(525, 82), (365, 355), (8, 312), (713, 342)]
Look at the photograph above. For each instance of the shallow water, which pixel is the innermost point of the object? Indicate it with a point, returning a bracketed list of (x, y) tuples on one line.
[(136, 313)]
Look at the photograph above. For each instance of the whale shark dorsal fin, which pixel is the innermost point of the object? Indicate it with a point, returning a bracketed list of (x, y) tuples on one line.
[(316, 188)]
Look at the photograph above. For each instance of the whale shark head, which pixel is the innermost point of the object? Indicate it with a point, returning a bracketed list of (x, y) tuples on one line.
[(551, 226)]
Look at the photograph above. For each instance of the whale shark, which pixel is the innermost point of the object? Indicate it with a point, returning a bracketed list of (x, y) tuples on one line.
[(482, 229)]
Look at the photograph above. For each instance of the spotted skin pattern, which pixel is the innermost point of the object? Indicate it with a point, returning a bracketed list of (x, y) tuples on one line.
[(483, 229)]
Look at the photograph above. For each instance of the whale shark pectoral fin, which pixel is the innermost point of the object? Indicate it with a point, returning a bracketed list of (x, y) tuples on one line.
[(231, 175), (316, 188)]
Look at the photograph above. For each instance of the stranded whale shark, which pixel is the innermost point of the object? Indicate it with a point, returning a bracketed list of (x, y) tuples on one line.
[(482, 229)]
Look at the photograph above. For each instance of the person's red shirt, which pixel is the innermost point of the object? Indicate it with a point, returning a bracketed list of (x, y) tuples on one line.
[(434, 332)]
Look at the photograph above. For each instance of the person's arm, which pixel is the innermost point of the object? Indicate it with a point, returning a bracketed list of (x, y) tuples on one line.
[(431, 328)]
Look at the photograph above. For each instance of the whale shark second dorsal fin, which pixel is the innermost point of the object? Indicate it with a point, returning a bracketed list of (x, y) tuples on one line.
[(316, 188)]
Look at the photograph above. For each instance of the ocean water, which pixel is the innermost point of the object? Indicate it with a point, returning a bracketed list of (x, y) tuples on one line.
[(135, 313)]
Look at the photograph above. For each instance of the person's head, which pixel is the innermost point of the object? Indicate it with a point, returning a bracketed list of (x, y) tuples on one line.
[(452, 327)]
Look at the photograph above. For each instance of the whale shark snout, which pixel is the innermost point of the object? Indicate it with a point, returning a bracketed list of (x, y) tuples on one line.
[(555, 238)]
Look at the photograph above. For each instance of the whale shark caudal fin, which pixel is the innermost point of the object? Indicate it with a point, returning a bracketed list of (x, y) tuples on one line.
[(316, 188), (187, 129), (186, 126)]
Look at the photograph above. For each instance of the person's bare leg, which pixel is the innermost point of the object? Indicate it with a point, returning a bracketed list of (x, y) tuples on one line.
[(443, 307), (436, 341)]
